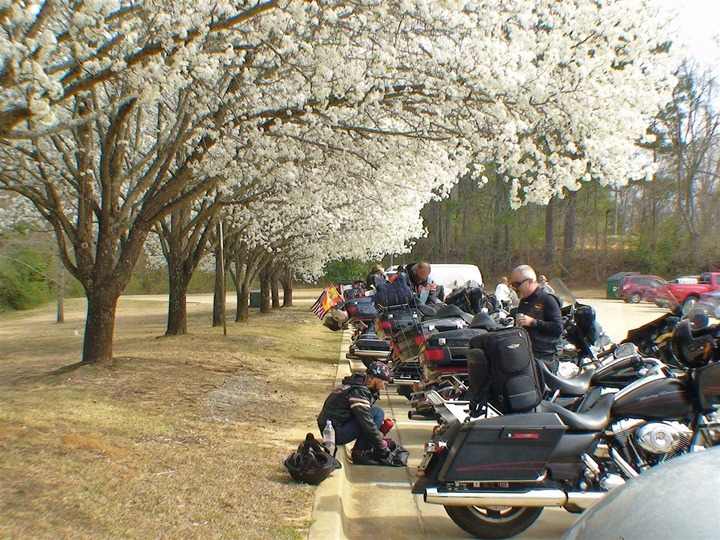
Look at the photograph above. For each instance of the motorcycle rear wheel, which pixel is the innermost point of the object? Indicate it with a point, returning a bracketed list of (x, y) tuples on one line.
[(493, 521)]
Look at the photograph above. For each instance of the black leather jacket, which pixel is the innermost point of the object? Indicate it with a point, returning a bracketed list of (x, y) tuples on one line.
[(352, 399), (545, 333)]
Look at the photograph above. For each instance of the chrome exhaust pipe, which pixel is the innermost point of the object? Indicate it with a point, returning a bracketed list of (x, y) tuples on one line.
[(584, 499), (371, 353), (531, 497)]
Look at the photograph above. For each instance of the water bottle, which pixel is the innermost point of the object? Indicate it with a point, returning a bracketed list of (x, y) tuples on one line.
[(329, 437)]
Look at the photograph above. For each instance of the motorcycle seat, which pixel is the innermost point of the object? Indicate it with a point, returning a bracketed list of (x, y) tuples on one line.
[(595, 419), (576, 386), (484, 321), (445, 312)]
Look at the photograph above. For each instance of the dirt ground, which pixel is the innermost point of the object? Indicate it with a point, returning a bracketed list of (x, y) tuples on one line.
[(179, 437)]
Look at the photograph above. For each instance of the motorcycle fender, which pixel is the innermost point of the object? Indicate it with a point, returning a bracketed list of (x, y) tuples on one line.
[(509, 448)]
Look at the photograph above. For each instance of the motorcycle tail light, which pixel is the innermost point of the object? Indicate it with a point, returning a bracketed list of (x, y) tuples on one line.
[(386, 326), (434, 355), (435, 447), (419, 339)]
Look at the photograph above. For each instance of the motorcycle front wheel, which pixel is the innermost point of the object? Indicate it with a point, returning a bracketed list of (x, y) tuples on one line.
[(493, 521)]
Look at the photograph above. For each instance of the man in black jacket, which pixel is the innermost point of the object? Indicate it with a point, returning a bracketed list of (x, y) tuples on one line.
[(417, 277), (350, 408), (539, 312)]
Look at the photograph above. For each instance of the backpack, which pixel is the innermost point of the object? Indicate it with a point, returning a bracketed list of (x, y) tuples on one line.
[(361, 308), (394, 293), (502, 371)]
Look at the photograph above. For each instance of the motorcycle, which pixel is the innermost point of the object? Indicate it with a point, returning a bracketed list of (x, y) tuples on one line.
[(445, 354), (583, 340), (358, 312), (494, 475), (471, 298)]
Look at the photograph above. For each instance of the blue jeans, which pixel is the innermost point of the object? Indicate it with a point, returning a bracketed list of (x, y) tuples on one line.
[(351, 429)]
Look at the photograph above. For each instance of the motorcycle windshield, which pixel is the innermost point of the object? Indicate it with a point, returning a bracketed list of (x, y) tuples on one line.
[(561, 291), (661, 296)]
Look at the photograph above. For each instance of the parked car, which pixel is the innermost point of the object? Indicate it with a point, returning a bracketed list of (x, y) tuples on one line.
[(689, 293), (633, 288)]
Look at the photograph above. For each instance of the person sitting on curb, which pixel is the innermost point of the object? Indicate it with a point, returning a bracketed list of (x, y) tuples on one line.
[(350, 408)]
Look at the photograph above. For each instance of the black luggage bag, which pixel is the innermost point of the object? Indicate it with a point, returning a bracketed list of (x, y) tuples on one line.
[(502, 371)]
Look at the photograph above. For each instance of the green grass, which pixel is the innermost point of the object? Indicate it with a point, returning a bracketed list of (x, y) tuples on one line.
[(179, 437)]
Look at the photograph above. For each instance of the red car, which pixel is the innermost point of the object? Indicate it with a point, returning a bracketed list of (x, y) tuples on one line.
[(634, 288)]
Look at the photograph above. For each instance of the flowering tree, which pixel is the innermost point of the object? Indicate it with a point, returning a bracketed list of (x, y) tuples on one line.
[(115, 114)]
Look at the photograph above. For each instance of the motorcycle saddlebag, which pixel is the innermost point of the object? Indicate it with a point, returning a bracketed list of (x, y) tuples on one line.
[(514, 380), (394, 319), (361, 308), (505, 448)]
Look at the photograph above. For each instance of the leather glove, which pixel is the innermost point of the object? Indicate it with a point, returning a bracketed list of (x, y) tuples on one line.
[(383, 453)]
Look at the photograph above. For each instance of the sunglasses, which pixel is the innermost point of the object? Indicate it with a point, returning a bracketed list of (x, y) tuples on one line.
[(516, 284)]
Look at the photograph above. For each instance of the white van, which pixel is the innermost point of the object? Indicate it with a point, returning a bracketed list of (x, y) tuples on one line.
[(450, 276)]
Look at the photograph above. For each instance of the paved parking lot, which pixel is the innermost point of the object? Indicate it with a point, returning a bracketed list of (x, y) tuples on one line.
[(375, 502)]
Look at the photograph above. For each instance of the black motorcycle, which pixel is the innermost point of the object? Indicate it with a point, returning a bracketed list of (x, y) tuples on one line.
[(494, 475)]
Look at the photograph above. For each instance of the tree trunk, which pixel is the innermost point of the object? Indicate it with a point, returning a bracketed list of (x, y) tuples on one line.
[(265, 290), (569, 237), (99, 327), (275, 286), (550, 232), (61, 293), (287, 284), (218, 316), (242, 291), (242, 314), (177, 308), (499, 200)]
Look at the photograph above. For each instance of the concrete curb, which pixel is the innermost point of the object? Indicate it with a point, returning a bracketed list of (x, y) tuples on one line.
[(355, 502), (328, 514)]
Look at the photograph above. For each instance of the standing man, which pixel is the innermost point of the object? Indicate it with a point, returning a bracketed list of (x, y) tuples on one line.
[(350, 408), (539, 313), (417, 277)]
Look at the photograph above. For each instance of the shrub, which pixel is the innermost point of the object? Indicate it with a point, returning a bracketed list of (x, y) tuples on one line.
[(24, 281)]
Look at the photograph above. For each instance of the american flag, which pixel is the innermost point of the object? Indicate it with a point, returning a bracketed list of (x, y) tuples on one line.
[(327, 299)]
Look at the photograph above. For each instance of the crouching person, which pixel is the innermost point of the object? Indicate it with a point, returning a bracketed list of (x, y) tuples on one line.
[(350, 408)]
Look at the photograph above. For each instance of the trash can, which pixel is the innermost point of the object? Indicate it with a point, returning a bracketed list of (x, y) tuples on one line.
[(613, 282), (255, 298)]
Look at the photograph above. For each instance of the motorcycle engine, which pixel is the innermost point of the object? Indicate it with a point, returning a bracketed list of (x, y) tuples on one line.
[(663, 438), (647, 444)]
